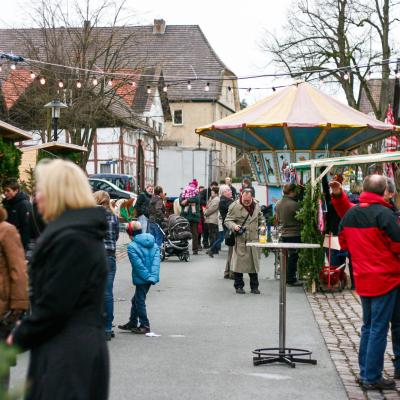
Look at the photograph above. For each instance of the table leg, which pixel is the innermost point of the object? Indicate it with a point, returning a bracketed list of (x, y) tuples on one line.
[(282, 301)]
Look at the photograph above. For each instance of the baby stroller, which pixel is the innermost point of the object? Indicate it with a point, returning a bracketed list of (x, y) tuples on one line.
[(176, 241)]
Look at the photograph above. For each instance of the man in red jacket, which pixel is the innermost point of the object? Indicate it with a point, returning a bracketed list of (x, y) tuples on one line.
[(370, 232)]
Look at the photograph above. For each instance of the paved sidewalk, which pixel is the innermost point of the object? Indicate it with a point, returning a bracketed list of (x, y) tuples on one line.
[(339, 316), (207, 335)]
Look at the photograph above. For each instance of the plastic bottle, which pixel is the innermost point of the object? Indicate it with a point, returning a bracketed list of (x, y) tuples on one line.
[(262, 236)]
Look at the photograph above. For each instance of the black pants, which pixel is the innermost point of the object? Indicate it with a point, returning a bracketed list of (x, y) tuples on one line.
[(291, 275), (195, 236), (206, 234), (239, 282), (212, 233)]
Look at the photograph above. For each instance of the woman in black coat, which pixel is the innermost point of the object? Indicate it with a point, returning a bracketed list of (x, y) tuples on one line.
[(69, 357)]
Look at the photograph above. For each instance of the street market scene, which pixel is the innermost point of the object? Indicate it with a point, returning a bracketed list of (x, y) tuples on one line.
[(200, 201)]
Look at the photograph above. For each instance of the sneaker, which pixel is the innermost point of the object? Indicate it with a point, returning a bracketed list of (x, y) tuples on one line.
[(240, 291), (227, 277), (128, 326), (381, 384), (255, 291), (210, 253), (108, 335), (141, 330)]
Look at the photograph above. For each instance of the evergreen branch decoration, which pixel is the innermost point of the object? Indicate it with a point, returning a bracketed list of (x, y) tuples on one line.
[(310, 260), (10, 159)]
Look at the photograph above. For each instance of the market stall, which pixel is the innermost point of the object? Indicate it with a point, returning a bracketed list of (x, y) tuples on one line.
[(296, 124)]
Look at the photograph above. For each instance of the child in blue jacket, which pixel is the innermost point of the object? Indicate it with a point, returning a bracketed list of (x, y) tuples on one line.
[(144, 256)]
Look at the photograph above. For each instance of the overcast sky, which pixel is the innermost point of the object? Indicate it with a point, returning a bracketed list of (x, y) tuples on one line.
[(234, 31)]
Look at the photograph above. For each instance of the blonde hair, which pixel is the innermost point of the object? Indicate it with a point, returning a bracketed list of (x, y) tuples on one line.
[(64, 186), (102, 198)]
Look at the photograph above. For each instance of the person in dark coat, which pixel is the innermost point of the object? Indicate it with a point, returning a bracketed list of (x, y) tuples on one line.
[(142, 206), (225, 200), (64, 331), (246, 184), (18, 209), (205, 195), (157, 218)]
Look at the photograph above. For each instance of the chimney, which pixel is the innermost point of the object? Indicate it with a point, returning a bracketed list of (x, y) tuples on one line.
[(159, 27)]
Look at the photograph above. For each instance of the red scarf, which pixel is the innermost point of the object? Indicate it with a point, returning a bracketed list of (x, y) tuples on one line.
[(250, 208)]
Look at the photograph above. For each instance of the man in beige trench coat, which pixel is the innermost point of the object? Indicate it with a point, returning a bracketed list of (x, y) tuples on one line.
[(245, 259)]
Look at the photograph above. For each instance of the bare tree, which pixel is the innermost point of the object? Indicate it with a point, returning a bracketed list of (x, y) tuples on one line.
[(84, 42), (337, 34)]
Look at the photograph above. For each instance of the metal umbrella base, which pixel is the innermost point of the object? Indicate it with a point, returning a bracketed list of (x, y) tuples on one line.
[(286, 355)]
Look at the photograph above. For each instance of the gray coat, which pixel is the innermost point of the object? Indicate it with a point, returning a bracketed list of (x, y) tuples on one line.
[(245, 259), (211, 211)]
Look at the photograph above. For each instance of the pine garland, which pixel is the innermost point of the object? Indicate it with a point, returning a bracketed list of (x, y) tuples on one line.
[(10, 159), (310, 260)]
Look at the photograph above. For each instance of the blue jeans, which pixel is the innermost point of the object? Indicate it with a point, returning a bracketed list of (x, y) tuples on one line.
[(216, 246), (377, 313), (395, 328), (143, 222), (108, 297), (155, 230), (138, 309)]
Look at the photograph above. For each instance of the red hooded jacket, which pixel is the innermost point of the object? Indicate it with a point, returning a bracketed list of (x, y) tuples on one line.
[(370, 232)]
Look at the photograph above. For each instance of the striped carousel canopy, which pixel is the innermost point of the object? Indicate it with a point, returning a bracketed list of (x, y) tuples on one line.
[(298, 117)]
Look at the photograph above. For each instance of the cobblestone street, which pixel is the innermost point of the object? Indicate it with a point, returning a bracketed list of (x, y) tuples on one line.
[(339, 316)]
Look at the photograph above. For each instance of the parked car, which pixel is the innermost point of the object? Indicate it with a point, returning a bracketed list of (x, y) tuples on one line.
[(114, 191), (124, 182)]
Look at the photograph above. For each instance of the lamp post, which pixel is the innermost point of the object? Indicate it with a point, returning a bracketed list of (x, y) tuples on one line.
[(56, 106)]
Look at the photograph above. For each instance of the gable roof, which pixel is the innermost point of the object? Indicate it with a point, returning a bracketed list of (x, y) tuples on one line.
[(375, 87), (182, 52)]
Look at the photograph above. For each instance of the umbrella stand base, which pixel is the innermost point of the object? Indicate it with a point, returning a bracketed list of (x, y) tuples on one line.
[(289, 356)]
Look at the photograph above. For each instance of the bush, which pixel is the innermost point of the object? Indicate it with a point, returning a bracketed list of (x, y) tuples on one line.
[(10, 159)]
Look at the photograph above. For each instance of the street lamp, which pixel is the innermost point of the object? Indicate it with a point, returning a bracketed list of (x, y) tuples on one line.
[(56, 106)]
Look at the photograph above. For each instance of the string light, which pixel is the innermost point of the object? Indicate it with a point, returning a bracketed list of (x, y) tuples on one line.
[(42, 81), (133, 84), (189, 85), (1, 69), (78, 84), (148, 90), (346, 76), (13, 66), (60, 84), (207, 87), (110, 82), (165, 88), (95, 81), (33, 75)]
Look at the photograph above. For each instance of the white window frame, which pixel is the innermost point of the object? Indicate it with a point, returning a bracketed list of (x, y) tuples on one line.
[(173, 117)]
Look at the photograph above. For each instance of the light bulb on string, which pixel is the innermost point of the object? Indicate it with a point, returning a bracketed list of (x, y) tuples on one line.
[(95, 81), (60, 84), (346, 76), (13, 66), (42, 81), (165, 88), (133, 84), (207, 87), (110, 82), (78, 84), (33, 75), (189, 85), (148, 90)]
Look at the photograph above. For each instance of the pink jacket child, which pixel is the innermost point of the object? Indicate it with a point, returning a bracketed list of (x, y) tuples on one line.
[(189, 192)]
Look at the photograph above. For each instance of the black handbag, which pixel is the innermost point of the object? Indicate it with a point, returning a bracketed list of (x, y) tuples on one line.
[(230, 236)]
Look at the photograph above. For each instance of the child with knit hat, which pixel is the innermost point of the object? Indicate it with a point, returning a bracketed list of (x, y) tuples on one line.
[(144, 255), (189, 192)]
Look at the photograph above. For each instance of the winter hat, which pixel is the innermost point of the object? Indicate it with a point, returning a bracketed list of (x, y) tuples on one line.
[(194, 183), (133, 228)]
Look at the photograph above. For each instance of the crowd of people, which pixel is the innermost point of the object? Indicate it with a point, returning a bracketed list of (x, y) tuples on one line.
[(58, 265)]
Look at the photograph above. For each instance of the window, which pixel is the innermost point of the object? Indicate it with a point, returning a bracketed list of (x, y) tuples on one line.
[(178, 120), (105, 168)]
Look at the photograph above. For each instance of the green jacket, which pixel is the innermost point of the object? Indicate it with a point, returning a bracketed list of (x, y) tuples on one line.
[(187, 211)]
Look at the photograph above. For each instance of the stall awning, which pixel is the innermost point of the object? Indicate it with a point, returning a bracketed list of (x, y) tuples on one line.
[(13, 133), (57, 147)]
